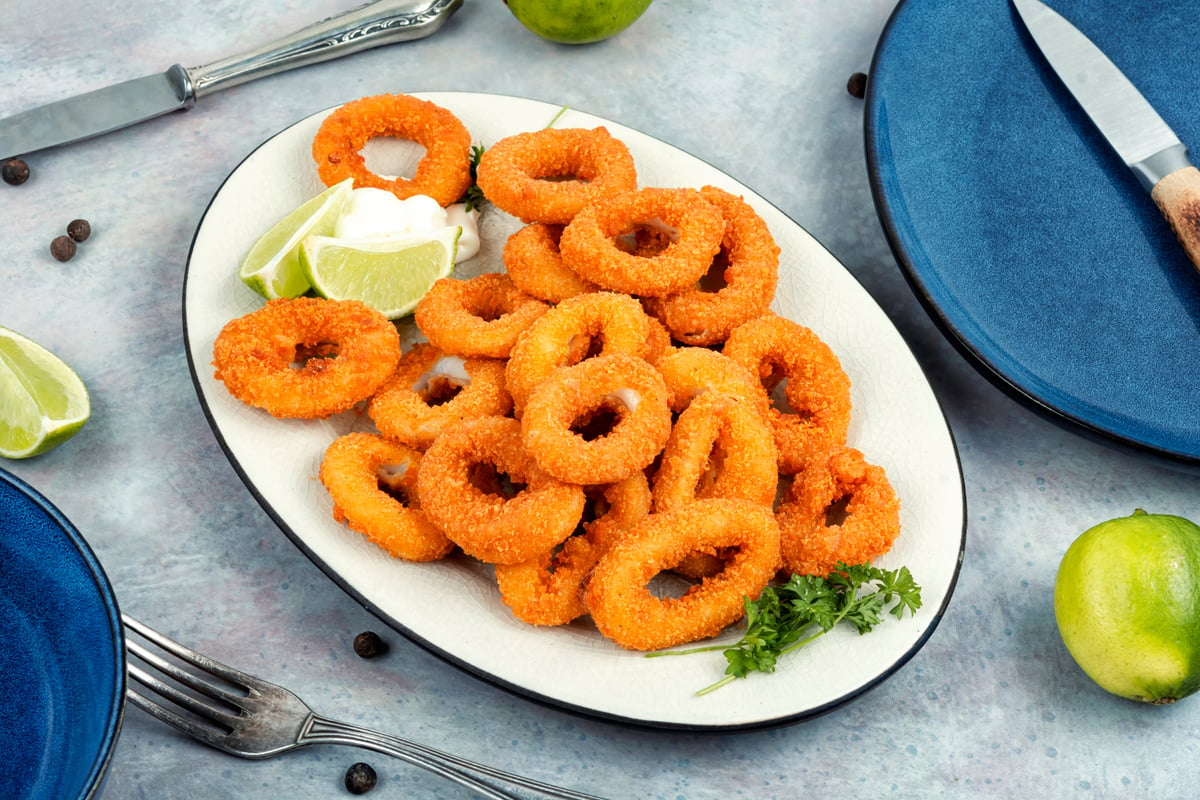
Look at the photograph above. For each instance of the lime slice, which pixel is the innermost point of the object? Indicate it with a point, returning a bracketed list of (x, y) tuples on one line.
[(272, 267), (42, 401), (391, 275)]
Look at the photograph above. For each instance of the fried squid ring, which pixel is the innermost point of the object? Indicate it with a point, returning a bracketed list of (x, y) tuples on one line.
[(625, 609), (617, 508), (429, 391), (595, 244), (566, 423), (548, 590), (840, 508), (372, 482), (444, 173), (549, 175), (749, 270), (816, 414), (690, 372), (494, 523), (600, 322), (719, 447), (481, 316), (532, 260), (307, 357)]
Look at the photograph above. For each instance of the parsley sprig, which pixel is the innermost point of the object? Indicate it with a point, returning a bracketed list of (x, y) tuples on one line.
[(473, 198), (789, 616)]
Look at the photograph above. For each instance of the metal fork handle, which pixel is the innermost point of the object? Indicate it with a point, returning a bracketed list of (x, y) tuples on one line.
[(488, 781), (371, 25)]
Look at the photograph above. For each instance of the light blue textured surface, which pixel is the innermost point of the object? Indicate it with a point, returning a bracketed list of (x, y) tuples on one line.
[(991, 707)]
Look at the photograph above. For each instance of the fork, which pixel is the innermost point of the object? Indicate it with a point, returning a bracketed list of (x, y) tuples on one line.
[(252, 718)]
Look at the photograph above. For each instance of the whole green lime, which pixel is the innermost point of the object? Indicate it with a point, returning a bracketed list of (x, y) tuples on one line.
[(577, 21), (1127, 603)]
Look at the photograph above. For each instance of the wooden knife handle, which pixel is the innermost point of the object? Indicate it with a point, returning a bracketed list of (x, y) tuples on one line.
[(1178, 198)]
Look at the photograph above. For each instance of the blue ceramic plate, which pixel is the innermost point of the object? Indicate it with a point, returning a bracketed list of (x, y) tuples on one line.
[(62, 654), (1028, 239)]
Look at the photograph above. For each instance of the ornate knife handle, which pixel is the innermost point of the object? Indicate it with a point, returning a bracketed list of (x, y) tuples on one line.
[(371, 25)]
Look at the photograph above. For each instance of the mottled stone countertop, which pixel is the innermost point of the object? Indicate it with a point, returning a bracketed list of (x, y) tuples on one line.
[(992, 706)]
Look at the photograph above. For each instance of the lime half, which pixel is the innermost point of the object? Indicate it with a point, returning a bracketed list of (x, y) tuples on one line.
[(391, 275), (272, 267), (42, 401)]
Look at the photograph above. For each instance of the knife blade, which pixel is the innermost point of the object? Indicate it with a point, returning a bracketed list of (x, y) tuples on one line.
[(124, 104), (1135, 131)]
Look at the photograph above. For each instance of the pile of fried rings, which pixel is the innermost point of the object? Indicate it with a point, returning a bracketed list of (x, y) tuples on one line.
[(618, 422)]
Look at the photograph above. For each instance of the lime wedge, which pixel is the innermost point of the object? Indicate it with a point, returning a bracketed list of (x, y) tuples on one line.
[(42, 401), (272, 267), (391, 275)]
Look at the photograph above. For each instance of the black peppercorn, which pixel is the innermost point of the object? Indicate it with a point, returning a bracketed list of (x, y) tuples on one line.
[(79, 229), (368, 644), (857, 85), (62, 248), (15, 171), (360, 778)]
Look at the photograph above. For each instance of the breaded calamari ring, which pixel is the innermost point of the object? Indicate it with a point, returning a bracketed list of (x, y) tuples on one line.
[(430, 391), (816, 415), (565, 425), (593, 244), (627, 612), (719, 447), (532, 260), (497, 527), (840, 508), (306, 357), (617, 508), (750, 260), (598, 322), (690, 372), (548, 590), (549, 175), (372, 482), (443, 173), (480, 316)]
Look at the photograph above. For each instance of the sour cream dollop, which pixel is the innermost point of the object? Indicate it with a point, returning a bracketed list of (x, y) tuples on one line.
[(372, 213)]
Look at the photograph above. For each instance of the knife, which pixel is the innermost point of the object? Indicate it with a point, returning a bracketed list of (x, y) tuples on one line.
[(1136, 132), (114, 107)]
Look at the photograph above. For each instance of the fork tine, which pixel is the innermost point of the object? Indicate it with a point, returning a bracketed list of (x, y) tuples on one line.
[(189, 679), (203, 733), (197, 707), (236, 677)]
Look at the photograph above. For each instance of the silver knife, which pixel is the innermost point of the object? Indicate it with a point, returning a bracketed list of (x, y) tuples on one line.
[(1130, 124), (86, 115)]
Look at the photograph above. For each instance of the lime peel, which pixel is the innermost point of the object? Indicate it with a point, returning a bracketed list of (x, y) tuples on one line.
[(43, 402), (1127, 605)]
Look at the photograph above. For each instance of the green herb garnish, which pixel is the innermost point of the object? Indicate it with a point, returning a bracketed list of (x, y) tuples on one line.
[(783, 618), (473, 198)]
